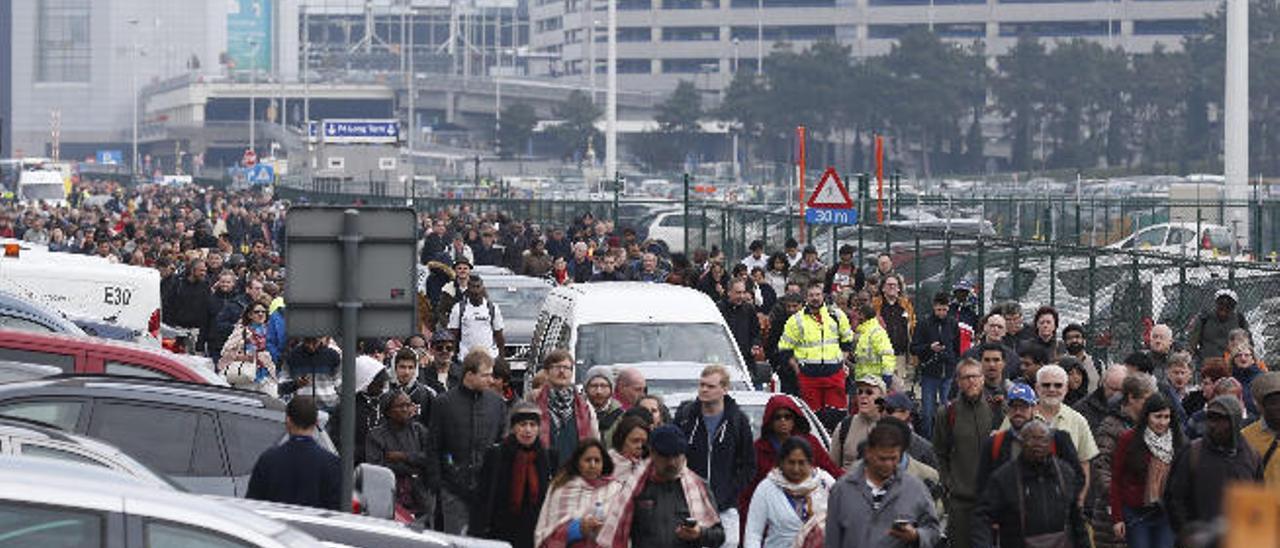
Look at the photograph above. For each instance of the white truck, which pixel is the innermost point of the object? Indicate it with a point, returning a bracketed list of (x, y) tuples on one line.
[(42, 185), (84, 288)]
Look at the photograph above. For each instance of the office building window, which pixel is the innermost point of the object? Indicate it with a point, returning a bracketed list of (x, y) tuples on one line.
[(549, 24), (690, 34), (633, 5), (1059, 29), (791, 33), (740, 4), (62, 41), (892, 32), (1175, 27), (924, 2), (690, 66), (960, 30), (690, 4), (634, 66), (634, 34)]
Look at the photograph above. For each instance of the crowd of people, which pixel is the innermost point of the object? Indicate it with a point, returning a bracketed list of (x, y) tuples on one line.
[(946, 427)]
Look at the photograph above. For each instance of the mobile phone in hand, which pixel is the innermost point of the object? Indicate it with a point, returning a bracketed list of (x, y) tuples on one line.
[(901, 524), (689, 522)]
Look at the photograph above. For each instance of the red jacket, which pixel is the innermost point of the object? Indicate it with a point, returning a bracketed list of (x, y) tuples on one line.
[(767, 453), (1127, 491)]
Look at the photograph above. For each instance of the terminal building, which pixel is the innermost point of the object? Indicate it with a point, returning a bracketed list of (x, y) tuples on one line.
[(661, 42)]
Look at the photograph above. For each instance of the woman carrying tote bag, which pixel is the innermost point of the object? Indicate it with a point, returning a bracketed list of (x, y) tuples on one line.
[(245, 361)]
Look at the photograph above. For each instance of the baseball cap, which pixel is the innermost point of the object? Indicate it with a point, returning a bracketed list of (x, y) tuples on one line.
[(898, 401), (872, 380), (1226, 293), (1023, 393), (668, 441), (963, 285)]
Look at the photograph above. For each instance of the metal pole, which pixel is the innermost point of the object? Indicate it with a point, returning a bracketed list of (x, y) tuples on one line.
[(350, 315), (686, 214), (611, 98), (759, 37), (133, 82), (253, 83), (413, 92)]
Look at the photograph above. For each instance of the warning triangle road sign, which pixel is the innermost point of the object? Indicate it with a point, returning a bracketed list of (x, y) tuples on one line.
[(830, 196)]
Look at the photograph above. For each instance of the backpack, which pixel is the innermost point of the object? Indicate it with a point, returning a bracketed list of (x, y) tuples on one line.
[(463, 310)]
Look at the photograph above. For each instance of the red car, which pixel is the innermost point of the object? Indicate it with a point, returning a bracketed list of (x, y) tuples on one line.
[(83, 354)]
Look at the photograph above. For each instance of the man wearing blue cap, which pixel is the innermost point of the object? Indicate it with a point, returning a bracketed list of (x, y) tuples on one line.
[(1005, 445), (663, 505)]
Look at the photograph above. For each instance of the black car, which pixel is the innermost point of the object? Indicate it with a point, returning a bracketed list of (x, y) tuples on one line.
[(205, 438)]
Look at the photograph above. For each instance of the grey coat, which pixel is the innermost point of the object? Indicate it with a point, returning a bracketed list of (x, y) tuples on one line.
[(853, 523)]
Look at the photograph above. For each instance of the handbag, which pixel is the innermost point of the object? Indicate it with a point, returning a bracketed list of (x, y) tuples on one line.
[(1060, 539), (242, 373)]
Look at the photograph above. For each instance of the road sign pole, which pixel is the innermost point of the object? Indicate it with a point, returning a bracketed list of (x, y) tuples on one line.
[(800, 176), (350, 315)]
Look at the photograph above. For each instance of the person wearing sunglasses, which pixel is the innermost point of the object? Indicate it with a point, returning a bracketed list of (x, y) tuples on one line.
[(442, 372), (244, 360), (1051, 389)]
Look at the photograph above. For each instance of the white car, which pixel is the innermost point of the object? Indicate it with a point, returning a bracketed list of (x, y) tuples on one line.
[(670, 226), (752, 403), (1180, 238)]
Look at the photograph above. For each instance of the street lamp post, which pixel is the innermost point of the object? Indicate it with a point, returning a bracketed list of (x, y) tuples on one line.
[(759, 36), (253, 83), (133, 84)]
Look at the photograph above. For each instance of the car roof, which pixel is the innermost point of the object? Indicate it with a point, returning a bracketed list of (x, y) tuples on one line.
[(25, 307), (146, 389), (107, 346), (291, 513), (85, 486), (515, 281), (625, 302), (28, 429)]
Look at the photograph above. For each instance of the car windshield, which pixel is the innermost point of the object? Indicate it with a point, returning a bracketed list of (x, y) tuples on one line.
[(44, 192), (614, 343), (662, 387), (519, 303)]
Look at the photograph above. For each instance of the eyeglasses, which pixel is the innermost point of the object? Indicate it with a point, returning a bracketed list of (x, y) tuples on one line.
[(1051, 385), (559, 366), (444, 348)]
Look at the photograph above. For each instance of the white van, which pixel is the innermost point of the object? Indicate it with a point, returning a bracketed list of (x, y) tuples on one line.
[(84, 287), (46, 186), (622, 323)]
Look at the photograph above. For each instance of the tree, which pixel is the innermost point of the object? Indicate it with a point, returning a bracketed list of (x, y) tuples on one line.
[(1020, 92), (924, 73), (678, 127), (577, 116), (515, 129)]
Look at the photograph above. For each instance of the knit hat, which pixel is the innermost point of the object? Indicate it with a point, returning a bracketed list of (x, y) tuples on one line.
[(525, 411), (667, 440), (603, 371), (1264, 385)]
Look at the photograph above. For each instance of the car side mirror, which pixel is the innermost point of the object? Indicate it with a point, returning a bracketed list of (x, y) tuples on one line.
[(375, 488)]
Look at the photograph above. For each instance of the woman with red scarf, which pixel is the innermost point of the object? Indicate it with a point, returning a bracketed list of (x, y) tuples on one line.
[(514, 480), (574, 511)]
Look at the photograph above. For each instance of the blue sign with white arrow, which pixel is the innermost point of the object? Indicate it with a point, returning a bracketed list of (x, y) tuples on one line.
[(361, 131), (260, 175)]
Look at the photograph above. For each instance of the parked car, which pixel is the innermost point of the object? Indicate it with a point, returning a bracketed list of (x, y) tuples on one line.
[(669, 227), (23, 315), (205, 438), (752, 403), (519, 298), (29, 438), (85, 354), (58, 504), (345, 529), (18, 371), (1181, 238)]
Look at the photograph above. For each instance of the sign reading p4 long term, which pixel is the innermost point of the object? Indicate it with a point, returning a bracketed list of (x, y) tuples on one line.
[(360, 131)]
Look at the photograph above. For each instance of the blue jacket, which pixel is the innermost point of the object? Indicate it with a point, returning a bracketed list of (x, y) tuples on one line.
[(298, 472), (728, 466), (276, 337)]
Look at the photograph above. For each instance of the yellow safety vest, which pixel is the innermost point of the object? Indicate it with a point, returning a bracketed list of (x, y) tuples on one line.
[(812, 342)]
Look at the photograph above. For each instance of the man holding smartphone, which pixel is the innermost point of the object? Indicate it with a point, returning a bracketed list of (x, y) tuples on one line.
[(874, 505)]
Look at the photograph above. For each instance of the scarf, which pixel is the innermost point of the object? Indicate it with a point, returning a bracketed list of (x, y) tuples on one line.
[(560, 405), (582, 413), (620, 507), (576, 499), (807, 497), (1161, 446), (524, 478)]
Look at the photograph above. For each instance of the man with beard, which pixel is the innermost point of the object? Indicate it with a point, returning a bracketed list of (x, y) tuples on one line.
[(1200, 475), (567, 415), (406, 371), (818, 338), (1073, 342), (959, 428)]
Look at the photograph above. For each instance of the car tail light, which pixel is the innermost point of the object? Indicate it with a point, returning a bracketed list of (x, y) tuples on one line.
[(153, 324), (1205, 242), (356, 508)]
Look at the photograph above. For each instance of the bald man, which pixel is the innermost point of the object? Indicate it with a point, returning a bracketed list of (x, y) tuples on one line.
[(1158, 348), (629, 387)]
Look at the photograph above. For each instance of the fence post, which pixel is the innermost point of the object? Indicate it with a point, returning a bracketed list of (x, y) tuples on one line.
[(1017, 262), (982, 272), (1053, 274), (1093, 290), (946, 256), (725, 233), (764, 227), (704, 225), (1182, 296), (1137, 310), (916, 273), (686, 216)]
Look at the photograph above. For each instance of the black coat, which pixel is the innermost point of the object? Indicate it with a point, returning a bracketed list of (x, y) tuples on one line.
[(493, 516), (729, 465), (929, 330), (1049, 505), (464, 423), (744, 324), (187, 303), (298, 472)]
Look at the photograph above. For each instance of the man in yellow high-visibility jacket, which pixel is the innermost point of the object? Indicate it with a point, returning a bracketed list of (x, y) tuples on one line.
[(819, 338)]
